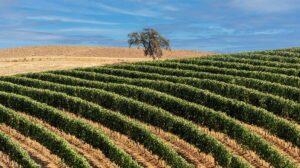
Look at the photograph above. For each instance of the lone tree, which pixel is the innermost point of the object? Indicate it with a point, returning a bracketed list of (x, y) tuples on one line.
[(151, 40)]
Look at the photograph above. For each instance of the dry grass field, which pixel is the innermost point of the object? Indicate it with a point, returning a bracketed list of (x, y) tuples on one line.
[(43, 58)]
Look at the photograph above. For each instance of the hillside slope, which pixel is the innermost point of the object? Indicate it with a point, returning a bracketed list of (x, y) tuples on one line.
[(42, 58), (239, 110)]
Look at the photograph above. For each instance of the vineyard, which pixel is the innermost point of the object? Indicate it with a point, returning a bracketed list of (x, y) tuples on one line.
[(230, 110)]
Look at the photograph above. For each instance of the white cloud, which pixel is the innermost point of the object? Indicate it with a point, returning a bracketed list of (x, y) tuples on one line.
[(117, 33), (159, 4), (66, 19), (271, 32), (92, 30), (170, 8), (266, 6), (141, 12), (29, 35)]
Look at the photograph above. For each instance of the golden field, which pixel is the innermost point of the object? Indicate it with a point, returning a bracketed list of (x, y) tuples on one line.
[(44, 58)]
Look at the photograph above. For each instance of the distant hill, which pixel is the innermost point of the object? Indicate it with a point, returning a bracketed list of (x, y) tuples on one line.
[(41, 58)]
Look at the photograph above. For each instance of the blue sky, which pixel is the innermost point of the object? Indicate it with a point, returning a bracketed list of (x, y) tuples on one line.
[(214, 25)]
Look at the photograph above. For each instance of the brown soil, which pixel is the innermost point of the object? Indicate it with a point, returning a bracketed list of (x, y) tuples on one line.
[(237, 149), (43, 58), (189, 152), (137, 151), (6, 162), (186, 149), (284, 147), (145, 158), (38, 152), (95, 157)]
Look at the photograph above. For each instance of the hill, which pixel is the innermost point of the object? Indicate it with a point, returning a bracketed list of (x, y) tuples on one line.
[(42, 58), (238, 110)]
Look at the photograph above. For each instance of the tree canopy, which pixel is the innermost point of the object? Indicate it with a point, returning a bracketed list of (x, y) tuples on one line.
[(151, 41)]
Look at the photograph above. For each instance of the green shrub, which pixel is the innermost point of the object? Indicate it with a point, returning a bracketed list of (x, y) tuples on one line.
[(57, 119), (275, 58), (190, 111), (279, 106), (15, 151), (132, 71), (54, 143), (108, 118), (239, 66), (146, 113), (257, 62), (266, 76)]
